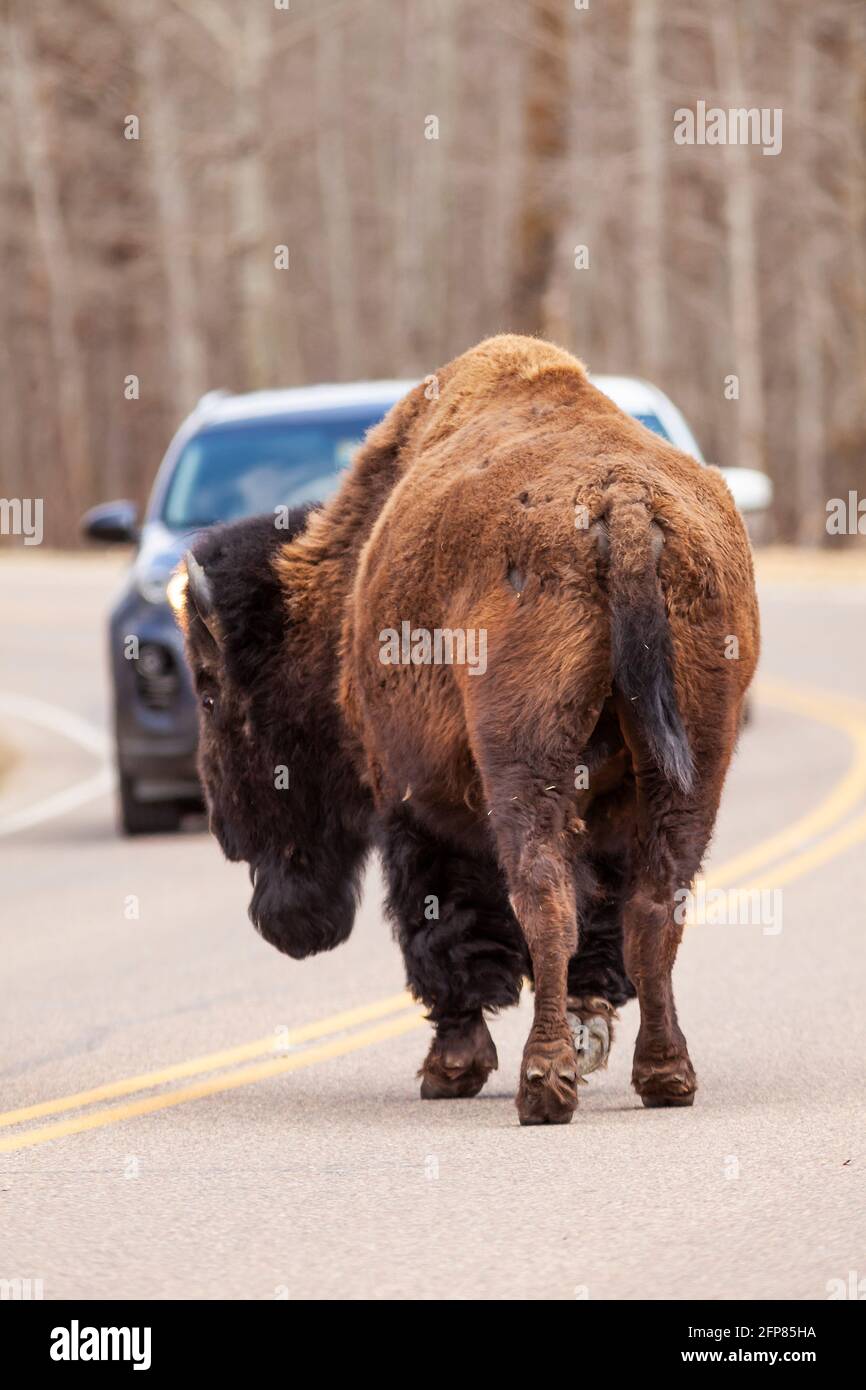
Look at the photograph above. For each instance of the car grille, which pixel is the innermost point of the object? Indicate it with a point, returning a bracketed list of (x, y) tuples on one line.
[(156, 676)]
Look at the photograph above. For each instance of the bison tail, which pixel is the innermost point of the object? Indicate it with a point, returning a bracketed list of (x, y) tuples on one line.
[(642, 656)]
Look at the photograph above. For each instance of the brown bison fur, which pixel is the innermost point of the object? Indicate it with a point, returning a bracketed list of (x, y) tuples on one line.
[(535, 817)]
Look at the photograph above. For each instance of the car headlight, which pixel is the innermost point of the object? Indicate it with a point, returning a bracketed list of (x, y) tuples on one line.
[(153, 587), (176, 590)]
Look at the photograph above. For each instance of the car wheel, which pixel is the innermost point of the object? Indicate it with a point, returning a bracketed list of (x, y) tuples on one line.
[(146, 817)]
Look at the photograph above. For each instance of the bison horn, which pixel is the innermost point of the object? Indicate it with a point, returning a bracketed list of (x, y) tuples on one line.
[(202, 594)]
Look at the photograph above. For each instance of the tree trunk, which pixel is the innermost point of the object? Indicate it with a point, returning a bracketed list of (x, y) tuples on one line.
[(269, 357), (650, 302), (854, 112), (449, 318), (336, 198), (507, 59), (175, 229), (32, 121), (739, 215), (545, 148), (408, 293), (809, 440)]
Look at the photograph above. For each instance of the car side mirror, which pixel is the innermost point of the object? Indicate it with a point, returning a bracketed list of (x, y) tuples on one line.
[(752, 490), (753, 493), (112, 521)]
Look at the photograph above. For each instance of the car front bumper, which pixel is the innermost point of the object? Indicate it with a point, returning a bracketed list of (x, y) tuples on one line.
[(155, 710)]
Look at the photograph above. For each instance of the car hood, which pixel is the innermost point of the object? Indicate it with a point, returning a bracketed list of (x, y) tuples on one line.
[(159, 552)]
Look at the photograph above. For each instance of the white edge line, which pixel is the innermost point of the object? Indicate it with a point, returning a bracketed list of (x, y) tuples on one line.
[(70, 726), (59, 721)]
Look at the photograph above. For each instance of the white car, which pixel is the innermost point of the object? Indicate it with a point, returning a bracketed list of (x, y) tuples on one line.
[(752, 490)]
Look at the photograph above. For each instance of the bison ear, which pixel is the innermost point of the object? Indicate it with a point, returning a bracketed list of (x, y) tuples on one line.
[(200, 590)]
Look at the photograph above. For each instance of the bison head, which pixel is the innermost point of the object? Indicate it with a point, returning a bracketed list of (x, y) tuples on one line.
[(281, 793)]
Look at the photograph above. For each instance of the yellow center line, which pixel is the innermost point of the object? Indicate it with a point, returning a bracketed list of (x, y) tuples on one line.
[(146, 1105), (812, 858), (838, 712), (213, 1061), (848, 715)]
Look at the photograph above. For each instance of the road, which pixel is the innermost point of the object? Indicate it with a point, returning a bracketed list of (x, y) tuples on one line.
[(188, 1114)]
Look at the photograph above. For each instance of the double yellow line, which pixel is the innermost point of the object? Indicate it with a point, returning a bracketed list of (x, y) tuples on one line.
[(399, 1012), (391, 1017), (849, 717)]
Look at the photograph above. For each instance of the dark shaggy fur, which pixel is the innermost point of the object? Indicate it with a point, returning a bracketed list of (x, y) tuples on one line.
[(608, 573), (305, 843)]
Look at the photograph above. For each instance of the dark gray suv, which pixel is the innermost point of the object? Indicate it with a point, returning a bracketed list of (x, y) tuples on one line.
[(235, 456)]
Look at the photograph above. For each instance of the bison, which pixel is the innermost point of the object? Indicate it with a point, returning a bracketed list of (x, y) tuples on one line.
[(511, 653)]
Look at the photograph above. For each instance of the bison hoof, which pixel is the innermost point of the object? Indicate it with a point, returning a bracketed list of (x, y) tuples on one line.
[(668, 1082), (457, 1066), (462, 1085), (659, 1101), (548, 1083), (592, 1029)]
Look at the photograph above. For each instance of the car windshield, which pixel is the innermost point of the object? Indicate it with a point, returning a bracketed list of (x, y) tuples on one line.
[(231, 471), (241, 469), (653, 423)]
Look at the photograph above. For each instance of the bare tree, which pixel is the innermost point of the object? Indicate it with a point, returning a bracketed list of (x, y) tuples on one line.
[(336, 195), (174, 225), (33, 126), (742, 256), (433, 168), (545, 136), (412, 130), (243, 54), (809, 435), (651, 138)]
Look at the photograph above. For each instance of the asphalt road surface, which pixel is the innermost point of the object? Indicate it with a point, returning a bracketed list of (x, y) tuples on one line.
[(187, 1114)]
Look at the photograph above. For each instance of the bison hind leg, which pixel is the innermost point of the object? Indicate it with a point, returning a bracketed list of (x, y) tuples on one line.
[(597, 981), (591, 1020)]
